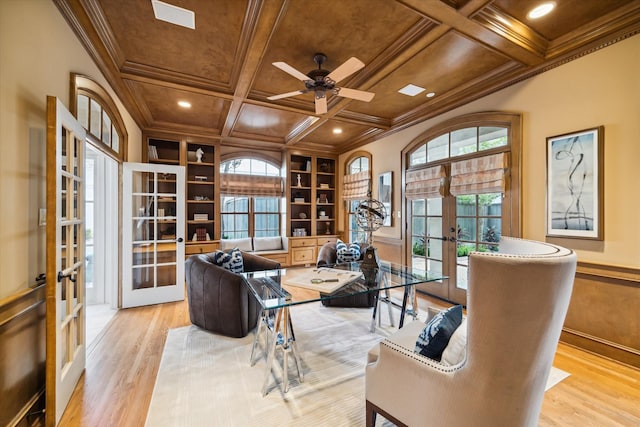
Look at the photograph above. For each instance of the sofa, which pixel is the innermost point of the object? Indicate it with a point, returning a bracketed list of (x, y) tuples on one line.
[(494, 367), (327, 257), (219, 300)]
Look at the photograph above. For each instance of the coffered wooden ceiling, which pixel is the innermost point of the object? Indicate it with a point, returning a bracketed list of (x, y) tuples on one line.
[(459, 49)]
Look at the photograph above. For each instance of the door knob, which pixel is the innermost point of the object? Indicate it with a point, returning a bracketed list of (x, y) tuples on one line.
[(180, 240)]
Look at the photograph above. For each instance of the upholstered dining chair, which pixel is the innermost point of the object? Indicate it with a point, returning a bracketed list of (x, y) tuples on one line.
[(517, 302)]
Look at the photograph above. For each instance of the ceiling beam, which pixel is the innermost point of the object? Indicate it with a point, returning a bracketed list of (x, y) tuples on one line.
[(262, 19), (462, 22)]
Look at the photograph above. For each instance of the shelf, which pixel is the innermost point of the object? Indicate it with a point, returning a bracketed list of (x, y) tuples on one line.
[(190, 163), (203, 202), (165, 161), (201, 182)]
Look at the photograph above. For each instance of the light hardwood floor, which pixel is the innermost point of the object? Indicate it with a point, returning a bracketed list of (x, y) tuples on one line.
[(122, 364)]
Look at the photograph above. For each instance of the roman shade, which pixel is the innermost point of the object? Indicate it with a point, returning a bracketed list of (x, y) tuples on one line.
[(425, 183), (356, 186), (235, 184), (479, 175)]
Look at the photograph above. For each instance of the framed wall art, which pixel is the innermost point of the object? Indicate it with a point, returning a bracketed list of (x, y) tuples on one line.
[(385, 195), (575, 184)]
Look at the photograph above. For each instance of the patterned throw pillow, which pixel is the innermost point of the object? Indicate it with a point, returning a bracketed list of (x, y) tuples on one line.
[(231, 260), (346, 253), (436, 334)]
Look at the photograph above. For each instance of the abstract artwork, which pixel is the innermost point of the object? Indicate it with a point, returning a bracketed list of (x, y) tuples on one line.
[(385, 195), (575, 184)]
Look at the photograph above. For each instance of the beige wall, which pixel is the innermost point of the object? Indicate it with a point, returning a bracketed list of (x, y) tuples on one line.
[(602, 88), (38, 50)]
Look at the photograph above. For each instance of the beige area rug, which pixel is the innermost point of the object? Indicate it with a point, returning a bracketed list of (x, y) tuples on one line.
[(206, 379)]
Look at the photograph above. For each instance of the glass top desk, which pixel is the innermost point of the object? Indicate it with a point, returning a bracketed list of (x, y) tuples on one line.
[(270, 288)]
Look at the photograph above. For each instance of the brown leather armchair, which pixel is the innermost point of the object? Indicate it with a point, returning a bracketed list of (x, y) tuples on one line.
[(219, 300), (326, 258)]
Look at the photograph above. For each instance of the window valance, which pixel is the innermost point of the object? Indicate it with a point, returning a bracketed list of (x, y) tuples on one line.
[(425, 183), (356, 186), (480, 175), (235, 184)]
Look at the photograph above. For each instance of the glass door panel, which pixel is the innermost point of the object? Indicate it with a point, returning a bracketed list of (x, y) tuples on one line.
[(479, 226), (427, 241), (153, 195)]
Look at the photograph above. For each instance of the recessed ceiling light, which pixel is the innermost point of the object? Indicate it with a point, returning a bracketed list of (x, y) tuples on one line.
[(541, 10), (411, 90), (431, 94), (337, 131), (184, 104), (174, 14)]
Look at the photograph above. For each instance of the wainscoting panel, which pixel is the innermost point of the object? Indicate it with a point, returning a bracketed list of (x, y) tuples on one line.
[(389, 249), (22, 356), (604, 314)]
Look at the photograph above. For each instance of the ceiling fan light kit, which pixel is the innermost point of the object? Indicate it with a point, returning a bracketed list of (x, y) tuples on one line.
[(321, 81)]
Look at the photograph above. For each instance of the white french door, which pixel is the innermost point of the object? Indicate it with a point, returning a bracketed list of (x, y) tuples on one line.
[(65, 324), (443, 233), (153, 234)]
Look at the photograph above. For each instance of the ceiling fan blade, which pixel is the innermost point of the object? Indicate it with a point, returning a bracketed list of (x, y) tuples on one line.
[(352, 65), (360, 95), (292, 71), (286, 95), (321, 105)]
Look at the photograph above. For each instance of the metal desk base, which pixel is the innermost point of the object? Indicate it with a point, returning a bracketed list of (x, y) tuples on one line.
[(282, 338)]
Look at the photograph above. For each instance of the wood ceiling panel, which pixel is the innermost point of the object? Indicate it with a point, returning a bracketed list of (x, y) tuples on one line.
[(460, 49), (568, 15), (268, 122), (206, 52), (324, 134), (162, 103), (445, 65), (340, 29)]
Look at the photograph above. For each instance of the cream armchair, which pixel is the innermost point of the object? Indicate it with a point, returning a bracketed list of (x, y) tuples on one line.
[(517, 302)]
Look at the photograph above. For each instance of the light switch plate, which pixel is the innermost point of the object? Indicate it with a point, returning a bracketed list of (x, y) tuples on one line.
[(42, 217)]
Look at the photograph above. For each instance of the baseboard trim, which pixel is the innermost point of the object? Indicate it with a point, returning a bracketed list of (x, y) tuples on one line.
[(601, 347), (31, 407)]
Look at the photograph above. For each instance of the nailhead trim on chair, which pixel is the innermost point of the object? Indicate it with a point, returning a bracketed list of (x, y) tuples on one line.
[(422, 359)]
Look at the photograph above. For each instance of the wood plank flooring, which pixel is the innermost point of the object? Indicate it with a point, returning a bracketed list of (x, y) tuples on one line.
[(122, 364)]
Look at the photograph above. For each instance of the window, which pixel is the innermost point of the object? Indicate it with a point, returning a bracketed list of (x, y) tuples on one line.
[(360, 163), (98, 114), (251, 205)]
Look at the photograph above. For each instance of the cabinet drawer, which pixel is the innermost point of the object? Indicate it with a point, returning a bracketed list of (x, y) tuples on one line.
[(324, 240), (203, 248), (302, 243), (303, 256), (281, 258)]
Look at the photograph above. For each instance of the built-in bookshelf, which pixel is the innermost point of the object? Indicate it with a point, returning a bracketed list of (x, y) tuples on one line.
[(199, 160), (311, 195), (300, 195), (167, 152), (201, 218)]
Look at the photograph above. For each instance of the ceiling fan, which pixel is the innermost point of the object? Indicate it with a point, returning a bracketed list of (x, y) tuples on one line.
[(322, 81)]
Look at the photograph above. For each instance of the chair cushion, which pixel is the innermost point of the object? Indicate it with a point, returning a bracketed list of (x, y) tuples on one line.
[(244, 244), (346, 253), (436, 334), (267, 243), (454, 353), (231, 260)]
